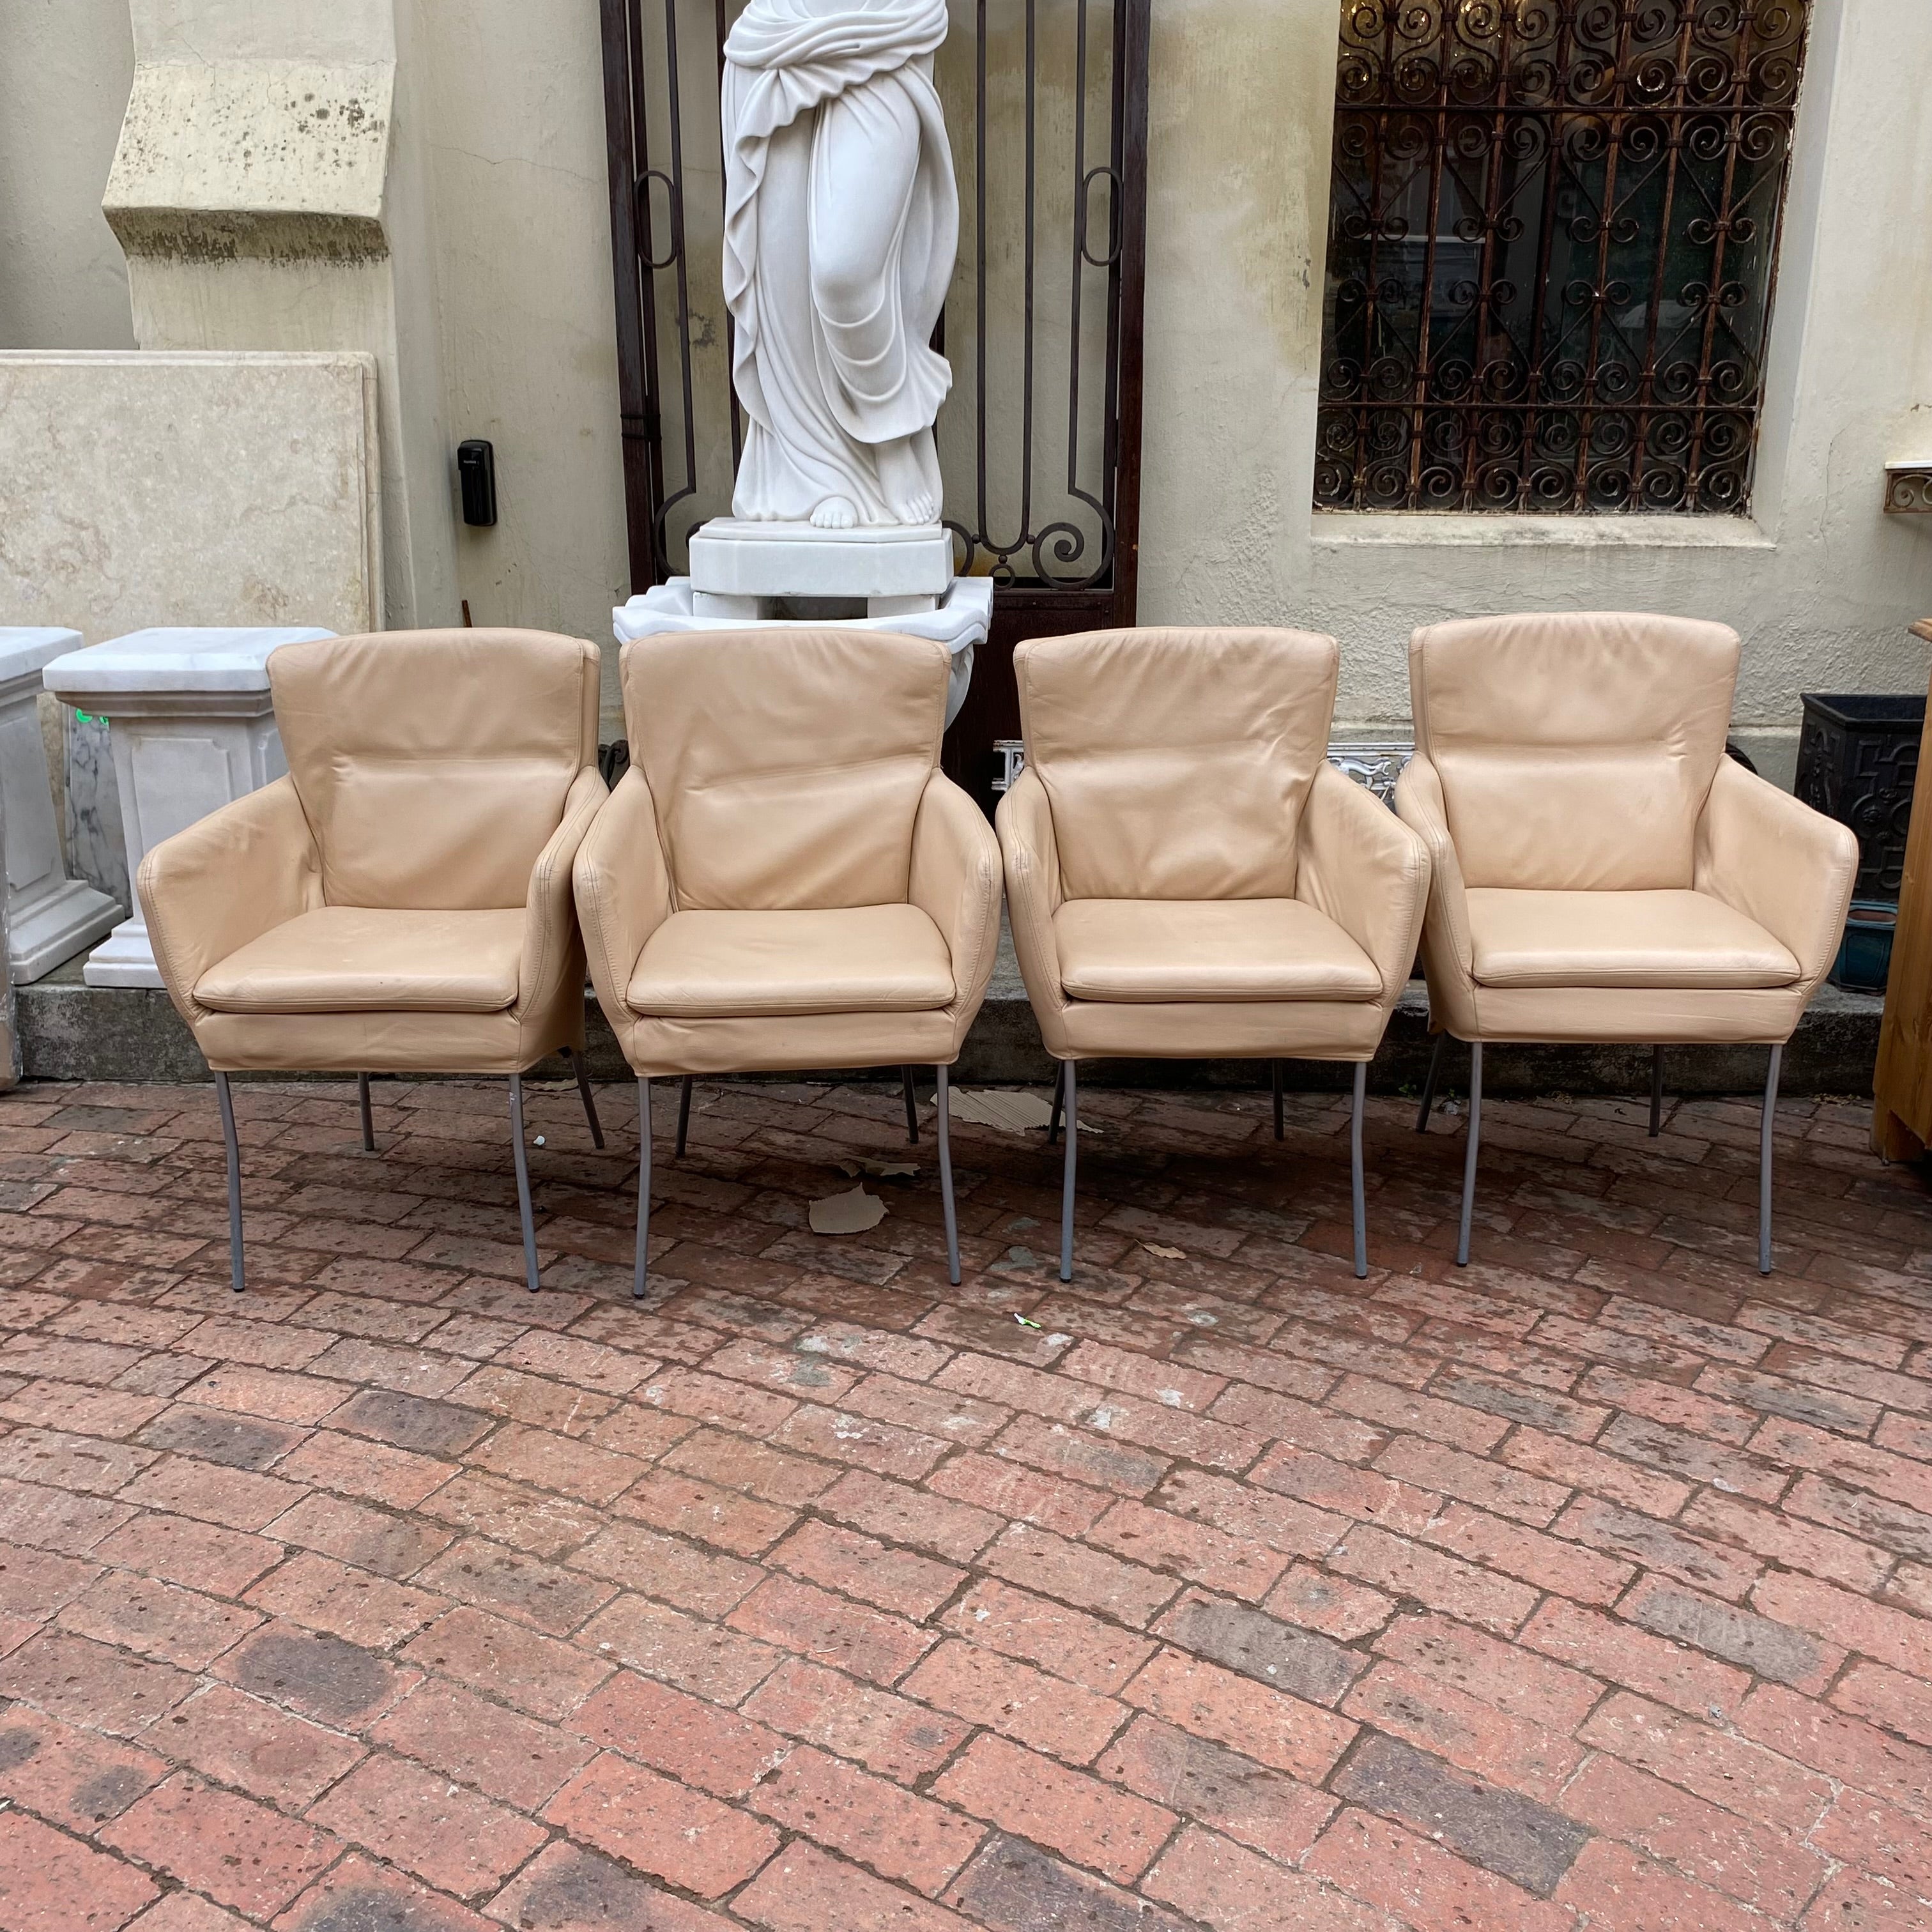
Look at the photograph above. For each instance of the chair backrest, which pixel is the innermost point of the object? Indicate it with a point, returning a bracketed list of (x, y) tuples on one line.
[(1576, 751), (1177, 762), (786, 766), (433, 765)]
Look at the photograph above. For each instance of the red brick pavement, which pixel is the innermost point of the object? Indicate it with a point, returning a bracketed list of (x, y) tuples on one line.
[(1590, 1587)]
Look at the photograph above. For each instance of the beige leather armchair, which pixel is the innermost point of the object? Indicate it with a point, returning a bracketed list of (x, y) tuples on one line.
[(1186, 873), (1603, 872), (400, 902), (784, 879)]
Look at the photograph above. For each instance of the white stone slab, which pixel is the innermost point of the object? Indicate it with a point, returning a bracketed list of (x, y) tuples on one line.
[(962, 622), (192, 727), (50, 916), (206, 487), (733, 558), (172, 658), (31, 647)]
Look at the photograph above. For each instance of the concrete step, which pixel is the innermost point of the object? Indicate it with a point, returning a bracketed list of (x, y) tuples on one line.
[(72, 1031)]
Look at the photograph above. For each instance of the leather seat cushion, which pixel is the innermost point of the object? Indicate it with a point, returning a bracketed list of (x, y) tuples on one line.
[(356, 959), (1133, 952), (1664, 939), (746, 965)]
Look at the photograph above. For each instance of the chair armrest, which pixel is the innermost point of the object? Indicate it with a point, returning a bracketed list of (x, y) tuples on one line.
[(1419, 804), (549, 927), (242, 871), (955, 882), (1024, 822), (623, 888), (1778, 862), (1363, 867)]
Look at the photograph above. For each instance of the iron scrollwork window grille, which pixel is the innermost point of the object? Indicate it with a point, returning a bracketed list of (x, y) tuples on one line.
[(1551, 243)]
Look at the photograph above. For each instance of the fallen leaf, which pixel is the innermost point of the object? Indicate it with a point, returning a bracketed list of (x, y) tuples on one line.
[(849, 1213), (886, 1170), (1012, 1113), (1165, 1254)]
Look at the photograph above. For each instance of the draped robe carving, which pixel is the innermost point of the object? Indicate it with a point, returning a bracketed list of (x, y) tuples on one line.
[(841, 223)]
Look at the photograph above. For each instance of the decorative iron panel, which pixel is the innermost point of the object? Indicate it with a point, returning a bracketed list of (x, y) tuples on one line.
[(1551, 243)]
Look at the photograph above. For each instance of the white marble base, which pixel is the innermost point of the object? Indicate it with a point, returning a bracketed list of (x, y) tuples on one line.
[(50, 916), (124, 958), (192, 727), (960, 621), (731, 558), (49, 932)]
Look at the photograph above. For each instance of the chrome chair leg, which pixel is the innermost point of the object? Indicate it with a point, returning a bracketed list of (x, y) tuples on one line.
[(945, 1177), (1059, 1096), (683, 1121), (1274, 1081), (234, 1151), (522, 1180), (368, 1117), (1073, 1105), (1656, 1091), (1355, 1169), (1764, 1161), (1428, 1085), (583, 1070), (911, 1105), (644, 1178), (1469, 1158)]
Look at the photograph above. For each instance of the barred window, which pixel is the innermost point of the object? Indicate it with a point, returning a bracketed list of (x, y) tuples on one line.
[(1552, 241)]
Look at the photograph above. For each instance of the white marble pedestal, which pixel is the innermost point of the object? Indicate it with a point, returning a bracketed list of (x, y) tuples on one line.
[(50, 916), (192, 727), (740, 569), (960, 620)]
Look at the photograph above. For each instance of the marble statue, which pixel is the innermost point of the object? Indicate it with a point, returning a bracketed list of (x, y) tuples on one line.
[(841, 221)]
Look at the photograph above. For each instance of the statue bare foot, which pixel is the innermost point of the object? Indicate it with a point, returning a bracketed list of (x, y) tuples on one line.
[(835, 513), (902, 481)]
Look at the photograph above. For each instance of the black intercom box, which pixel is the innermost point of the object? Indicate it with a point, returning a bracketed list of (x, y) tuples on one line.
[(476, 469)]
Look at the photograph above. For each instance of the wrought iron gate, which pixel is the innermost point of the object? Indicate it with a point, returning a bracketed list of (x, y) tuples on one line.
[(1040, 441)]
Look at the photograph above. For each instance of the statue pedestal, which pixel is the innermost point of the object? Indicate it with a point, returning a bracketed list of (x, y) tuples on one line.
[(192, 726), (50, 916), (959, 619), (737, 566)]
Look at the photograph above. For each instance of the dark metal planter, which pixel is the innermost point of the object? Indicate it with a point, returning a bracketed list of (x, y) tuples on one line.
[(1858, 762)]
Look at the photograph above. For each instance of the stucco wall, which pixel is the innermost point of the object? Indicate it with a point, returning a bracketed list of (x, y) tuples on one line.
[(512, 95), (65, 68), (503, 100), (1820, 582)]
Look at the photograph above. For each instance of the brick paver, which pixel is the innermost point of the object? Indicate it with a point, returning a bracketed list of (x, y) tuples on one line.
[(1588, 1587)]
